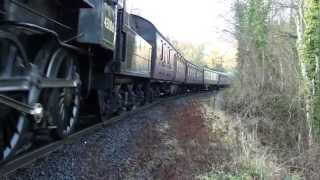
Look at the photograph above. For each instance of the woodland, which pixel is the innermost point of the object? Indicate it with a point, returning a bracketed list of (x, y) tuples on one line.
[(276, 88)]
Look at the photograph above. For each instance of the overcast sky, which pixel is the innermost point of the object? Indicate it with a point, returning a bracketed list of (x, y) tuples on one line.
[(196, 21)]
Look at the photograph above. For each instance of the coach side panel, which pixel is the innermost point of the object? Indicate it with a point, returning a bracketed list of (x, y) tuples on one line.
[(181, 69), (163, 67), (210, 77), (137, 56)]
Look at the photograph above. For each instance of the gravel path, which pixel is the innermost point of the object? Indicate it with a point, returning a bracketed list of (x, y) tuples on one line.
[(168, 141)]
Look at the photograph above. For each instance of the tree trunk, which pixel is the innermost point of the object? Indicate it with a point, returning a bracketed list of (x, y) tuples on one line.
[(307, 83)]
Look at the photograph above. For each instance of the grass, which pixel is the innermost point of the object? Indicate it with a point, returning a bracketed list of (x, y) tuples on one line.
[(256, 154), (244, 174)]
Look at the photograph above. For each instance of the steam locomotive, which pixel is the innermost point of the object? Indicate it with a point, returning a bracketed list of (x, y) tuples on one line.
[(59, 55)]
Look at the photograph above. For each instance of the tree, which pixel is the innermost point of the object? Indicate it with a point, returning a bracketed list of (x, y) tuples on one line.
[(193, 53), (308, 23)]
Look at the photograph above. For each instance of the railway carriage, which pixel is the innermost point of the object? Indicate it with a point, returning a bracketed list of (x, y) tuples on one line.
[(224, 80), (59, 55), (164, 57), (211, 78), (181, 69), (194, 76)]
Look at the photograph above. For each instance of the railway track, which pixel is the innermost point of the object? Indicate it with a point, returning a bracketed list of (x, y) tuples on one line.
[(27, 158)]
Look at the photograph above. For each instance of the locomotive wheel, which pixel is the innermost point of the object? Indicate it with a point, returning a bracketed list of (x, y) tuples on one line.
[(14, 125), (63, 103), (150, 95)]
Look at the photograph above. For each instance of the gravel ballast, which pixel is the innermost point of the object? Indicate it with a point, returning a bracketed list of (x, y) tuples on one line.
[(153, 144)]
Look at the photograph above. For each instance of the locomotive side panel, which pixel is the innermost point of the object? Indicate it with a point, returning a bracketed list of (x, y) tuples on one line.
[(137, 56), (88, 21), (98, 25), (61, 18)]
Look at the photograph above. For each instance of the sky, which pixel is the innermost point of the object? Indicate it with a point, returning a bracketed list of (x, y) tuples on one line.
[(196, 21)]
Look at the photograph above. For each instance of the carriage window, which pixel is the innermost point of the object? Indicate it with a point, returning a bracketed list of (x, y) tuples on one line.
[(168, 58), (178, 64), (172, 57), (162, 52), (165, 51)]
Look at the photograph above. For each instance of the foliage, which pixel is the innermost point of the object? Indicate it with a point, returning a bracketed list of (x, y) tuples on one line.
[(255, 22), (197, 53), (253, 27), (269, 74), (311, 55), (269, 95), (193, 53)]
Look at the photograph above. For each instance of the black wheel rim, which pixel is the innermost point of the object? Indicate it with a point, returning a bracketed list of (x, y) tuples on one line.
[(13, 124), (65, 101), (12, 127)]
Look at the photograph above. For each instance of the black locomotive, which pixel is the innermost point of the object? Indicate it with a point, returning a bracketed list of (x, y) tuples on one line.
[(59, 55)]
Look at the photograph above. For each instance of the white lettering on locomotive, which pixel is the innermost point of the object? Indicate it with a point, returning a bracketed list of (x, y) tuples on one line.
[(109, 18), (108, 24)]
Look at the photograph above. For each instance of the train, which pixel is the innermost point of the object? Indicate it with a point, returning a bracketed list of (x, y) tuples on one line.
[(61, 60)]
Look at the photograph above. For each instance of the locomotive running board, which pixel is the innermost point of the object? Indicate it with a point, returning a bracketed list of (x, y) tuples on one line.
[(24, 84)]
